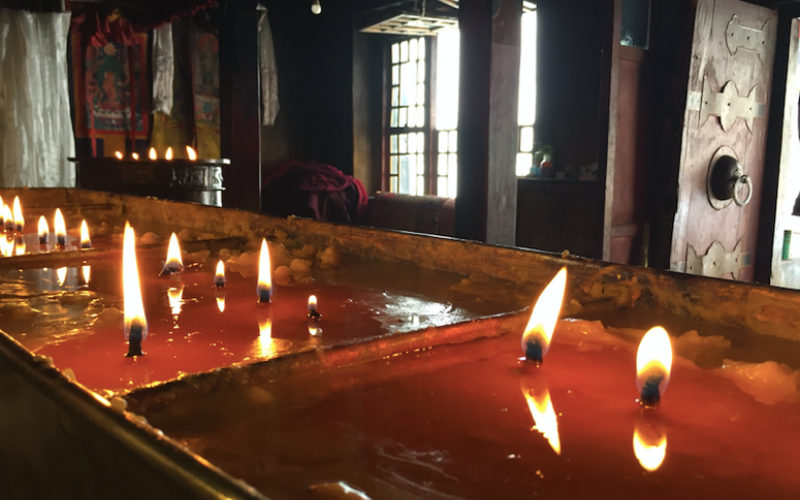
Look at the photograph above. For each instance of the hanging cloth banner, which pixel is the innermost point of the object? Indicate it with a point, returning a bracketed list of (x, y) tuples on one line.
[(163, 68), (111, 97), (269, 71)]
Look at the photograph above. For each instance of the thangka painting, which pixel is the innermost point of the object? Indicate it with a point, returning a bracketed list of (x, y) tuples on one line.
[(111, 92), (205, 59)]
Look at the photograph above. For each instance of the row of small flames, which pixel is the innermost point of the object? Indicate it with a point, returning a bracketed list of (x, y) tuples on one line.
[(153, 155)]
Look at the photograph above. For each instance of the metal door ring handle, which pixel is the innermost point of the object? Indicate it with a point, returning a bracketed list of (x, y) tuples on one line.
[(743, 180)]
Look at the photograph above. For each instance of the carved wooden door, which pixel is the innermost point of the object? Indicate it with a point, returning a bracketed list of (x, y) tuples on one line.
[(714, 231)]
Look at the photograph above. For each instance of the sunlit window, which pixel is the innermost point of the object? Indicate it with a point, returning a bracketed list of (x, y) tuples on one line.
[(409, 155)]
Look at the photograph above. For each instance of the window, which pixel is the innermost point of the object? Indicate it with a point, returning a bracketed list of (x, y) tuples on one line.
[(422, 156), (408, 117)]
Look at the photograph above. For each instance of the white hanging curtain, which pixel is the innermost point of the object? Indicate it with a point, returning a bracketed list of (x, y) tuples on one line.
[(269, 71), (163, 68), (35, 126)]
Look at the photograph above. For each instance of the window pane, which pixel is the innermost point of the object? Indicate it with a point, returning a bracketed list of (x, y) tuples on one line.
[(452, 163), (395, 96), (412, 143), (453, 146), (402, 122), (452, 184), (412, 165), (442, 142), (421, 71), (420, 93), (526, 111), (526, 139), (411, 118), (420, 142), (393, 143), (408, 88), (412, 46), (446, 91), (420, 116), (393, 167), (403, 51), (395, 52), (420, 185), (420, 165), (441, 165), (396, 75), (393, 122), (393, 184), (421, 48), (403, 143), (405, 187), (524, 162), (441, 186)]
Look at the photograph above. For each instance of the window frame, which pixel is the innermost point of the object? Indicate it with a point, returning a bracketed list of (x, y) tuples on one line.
[(428, 129)]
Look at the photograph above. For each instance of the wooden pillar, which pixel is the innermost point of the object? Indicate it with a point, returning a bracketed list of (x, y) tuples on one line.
[(487, 120), (240, 104)]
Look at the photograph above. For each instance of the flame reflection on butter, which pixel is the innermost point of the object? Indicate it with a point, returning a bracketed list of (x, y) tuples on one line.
[(168, 154), (653, 365), (541, 407), (266, 344), (220, 295), (313, 329), (6, 246), (44, 230), (152, 154), (61, 273), (190, 153), (175, 298), (19, 220), (60, 228), (132, 293), (539, 332), (86, 271), (264, 287), (20, 247), (649, 452), (135, 156), (174, 262), (86, 242)]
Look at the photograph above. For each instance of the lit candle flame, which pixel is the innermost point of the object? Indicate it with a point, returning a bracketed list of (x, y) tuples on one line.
[(191, 153), (544, 416), (175, 298), (650, 455), (168, 154), (653, 365), (135, 156), (19, 220), (20, 246), (86, 242), (219, 278), (60, 229), (174, 263), (118, 155), (135, 322), (152, 154), (264, 287), (8, 219), (44, 230), (61, 273), (312, 303), (87, 273), (539, 332)]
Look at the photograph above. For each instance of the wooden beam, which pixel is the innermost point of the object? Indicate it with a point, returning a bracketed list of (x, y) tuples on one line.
[(240, 104), (609, 97), (487, 121)]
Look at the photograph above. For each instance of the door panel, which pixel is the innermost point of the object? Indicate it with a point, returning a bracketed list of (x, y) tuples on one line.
[(731, 61)]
